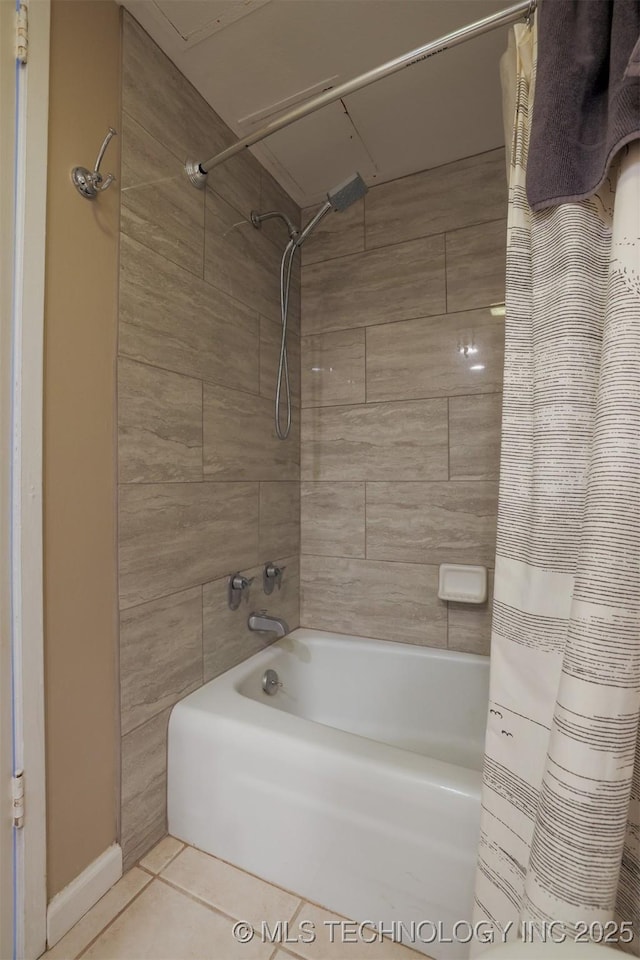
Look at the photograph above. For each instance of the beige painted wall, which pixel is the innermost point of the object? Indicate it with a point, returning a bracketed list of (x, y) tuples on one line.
[(79, 444), (400, 431)]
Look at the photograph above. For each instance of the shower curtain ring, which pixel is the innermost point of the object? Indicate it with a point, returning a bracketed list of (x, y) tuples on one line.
[(530, 11)]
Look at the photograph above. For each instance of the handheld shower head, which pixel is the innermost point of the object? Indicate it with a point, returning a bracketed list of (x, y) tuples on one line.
[(338, 199), (347, 193)]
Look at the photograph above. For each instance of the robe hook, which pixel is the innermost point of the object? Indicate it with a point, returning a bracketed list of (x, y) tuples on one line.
[(89, 183)]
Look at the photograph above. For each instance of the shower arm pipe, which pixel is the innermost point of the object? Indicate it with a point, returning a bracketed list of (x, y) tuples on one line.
[(197, 170)]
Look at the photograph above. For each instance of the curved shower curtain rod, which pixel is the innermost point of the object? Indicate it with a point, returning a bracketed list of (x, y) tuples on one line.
[(197, 170)]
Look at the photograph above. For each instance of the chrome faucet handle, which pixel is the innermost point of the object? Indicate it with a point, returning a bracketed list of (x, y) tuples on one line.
[(272, 575), (238, 583)]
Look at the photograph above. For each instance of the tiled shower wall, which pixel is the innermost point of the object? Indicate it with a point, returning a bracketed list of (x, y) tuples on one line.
[(205, 488), (401, 430)]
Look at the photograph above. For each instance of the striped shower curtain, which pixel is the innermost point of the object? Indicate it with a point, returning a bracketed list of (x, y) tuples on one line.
[(560, 831)]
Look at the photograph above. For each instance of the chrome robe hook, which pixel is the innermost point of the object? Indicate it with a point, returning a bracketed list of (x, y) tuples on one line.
[(89, 183)]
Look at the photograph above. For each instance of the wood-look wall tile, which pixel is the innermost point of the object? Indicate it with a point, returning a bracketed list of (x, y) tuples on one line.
[(333, 519), (376, 441), (159, 424), (470, 624), (160, 655), (279, 519), (168, 318), (421, 358), (227, 638), (176, 535), (435, 523), (238, 182), (393, 283), (390, 601), (162, 100), (143, 786), (474, 437), (337, 235), (294, 317), (270, 340), (476, 266), (334, 368), (239, 259), (159, 207), (455, 195), (240, 442)]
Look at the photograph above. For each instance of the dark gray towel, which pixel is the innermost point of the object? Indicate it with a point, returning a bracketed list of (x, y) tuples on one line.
[(587, 96)]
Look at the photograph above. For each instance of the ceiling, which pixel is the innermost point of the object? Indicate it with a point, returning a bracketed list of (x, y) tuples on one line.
[(250, 59)]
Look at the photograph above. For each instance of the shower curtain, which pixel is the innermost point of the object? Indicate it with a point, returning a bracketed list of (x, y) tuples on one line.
[(560, 831)]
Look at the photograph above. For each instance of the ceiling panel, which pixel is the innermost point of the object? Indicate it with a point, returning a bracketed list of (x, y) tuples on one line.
[(322, 151), (438, 114), (440, 110), (194, 20)]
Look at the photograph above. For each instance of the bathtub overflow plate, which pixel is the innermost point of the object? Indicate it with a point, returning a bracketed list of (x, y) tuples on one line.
[(270, 682)]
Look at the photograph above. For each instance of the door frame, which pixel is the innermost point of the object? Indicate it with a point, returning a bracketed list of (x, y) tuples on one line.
[(22, 448)]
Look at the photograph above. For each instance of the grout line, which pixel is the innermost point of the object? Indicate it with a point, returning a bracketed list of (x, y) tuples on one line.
[(114, 918), (412, 239), (371, 403), (209, 480), (260, 319), (187, 376), (169, 861), (441, 166), (364, 223), (448, 441), (198, 274), (196, 899), (366, 520), (202, 429), (431, 317), (403, 563), (247, 873), (366, 367), (165, 596), (201, 635), (204, 233), (405, 483), (292, 893), (446, 283), (296, 913), (202, 279)]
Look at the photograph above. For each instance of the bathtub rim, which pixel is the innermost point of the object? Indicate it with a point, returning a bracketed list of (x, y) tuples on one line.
[(222, 698)]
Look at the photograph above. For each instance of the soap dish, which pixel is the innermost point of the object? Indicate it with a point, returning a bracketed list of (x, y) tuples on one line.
[(462, 583)]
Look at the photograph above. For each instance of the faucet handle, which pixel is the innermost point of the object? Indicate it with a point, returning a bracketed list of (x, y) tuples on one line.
[(271, 575), (238, 583)]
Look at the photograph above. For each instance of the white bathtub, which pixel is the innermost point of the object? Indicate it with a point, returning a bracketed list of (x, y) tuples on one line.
[(357, 785)]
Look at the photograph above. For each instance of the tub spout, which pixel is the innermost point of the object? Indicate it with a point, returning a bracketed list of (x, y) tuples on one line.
[(263, 622)]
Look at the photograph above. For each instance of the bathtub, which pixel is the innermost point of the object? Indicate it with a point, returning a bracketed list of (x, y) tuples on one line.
[(356, 786)]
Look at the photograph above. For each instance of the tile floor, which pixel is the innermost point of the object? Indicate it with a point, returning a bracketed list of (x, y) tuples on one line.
[(181, 904)]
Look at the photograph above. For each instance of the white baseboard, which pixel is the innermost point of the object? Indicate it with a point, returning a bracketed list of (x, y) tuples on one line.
[(68, 906)]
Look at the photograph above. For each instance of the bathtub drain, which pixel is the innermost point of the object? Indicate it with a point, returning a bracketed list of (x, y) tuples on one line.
[(270, 682)]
